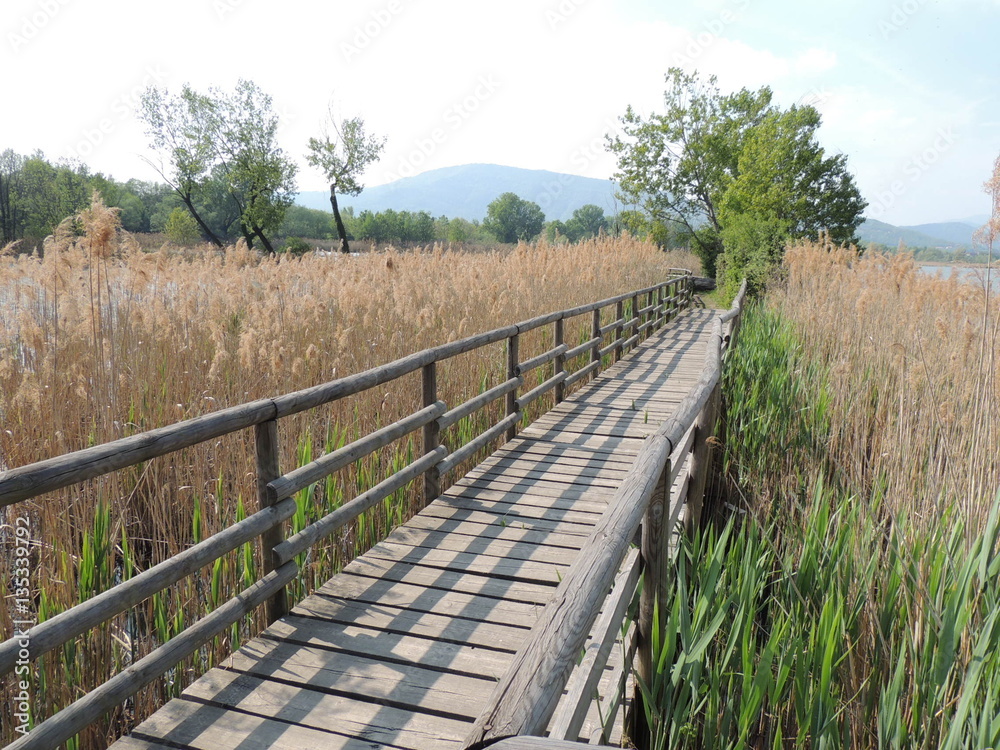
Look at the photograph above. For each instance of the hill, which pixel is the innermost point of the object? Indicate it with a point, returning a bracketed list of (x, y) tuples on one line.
[(951, 231), (924, 235), (465, 192)]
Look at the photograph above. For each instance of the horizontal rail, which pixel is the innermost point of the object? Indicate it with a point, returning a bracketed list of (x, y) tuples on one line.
[(542, 359), (627, 343), (540, 390), (350, 510), (481, 441), (292, 482), (58, 630), (68, 722), (612, 325), (583, 348), (475, 404), (610, 347), (55, 473), (582, 373)]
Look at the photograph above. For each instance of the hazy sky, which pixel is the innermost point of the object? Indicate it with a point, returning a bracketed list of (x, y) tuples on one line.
[(907, 88)]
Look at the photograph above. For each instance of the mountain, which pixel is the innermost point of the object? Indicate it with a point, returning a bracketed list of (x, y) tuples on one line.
[(465, 192), (951, 231), (872, 230)]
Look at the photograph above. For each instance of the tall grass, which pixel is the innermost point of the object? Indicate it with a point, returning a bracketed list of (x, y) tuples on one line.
[(100, 340), (850, 596)]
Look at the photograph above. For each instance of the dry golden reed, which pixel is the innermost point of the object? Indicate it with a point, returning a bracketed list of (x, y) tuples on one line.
[(100, 340), (913, 362)]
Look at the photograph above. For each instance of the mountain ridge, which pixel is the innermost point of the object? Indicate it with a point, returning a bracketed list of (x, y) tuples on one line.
[(464, 191)]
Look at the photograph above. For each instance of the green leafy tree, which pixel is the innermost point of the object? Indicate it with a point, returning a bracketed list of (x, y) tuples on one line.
[(179, 130), (510, 218), (181, 228), (306, 222), (342, 156), (555, 231), (587, 221), (224, 142), (711, 157)]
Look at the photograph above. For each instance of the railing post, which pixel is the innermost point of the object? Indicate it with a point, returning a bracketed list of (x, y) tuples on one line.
[(655, 558), (701, 459), (661, 312), (595, 332), (635, 318), (560, 361), (266, 445), (431, 432), (619, 314), (512, 362)]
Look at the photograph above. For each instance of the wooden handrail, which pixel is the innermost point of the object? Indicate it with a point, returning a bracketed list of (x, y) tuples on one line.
[(274, 490), (526, 697)]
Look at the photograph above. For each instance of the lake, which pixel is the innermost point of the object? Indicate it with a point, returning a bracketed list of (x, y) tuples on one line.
[(974, 275)]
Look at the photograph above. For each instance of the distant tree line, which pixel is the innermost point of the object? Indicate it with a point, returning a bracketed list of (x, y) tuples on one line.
[(36, 194)]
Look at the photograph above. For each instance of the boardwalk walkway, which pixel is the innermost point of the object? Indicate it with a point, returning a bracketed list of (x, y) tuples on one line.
[(404, 647)]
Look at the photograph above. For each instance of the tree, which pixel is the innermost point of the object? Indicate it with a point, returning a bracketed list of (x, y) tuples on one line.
[(510, 219), (712, 159), (343, 157), (225, 139), (181, 228), (587, 221), (179, 130)]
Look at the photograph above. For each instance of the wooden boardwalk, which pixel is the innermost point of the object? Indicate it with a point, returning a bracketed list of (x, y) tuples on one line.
[(404, 647)]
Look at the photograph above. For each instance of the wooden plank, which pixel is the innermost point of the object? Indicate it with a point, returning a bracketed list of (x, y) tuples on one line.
[(449, 580), (420, 599), (558, 452), (483, 546), (506, 509), (436, 651), (413, 688), (520, 466), (460, 527), (323, 611), (511, 520), (189, 723), (494, 567)]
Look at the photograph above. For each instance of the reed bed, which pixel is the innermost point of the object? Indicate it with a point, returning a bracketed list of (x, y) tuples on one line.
[(849, 597), (100, 339)]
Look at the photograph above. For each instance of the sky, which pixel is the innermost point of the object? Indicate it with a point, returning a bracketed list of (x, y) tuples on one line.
[(908, 89)]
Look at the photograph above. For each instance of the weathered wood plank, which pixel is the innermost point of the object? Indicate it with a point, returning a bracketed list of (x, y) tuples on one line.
[(413, 688), (420, 599), (449, 580)]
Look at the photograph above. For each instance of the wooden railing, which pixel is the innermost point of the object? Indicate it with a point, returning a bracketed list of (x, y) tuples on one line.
[(529, 699), (649, 308)]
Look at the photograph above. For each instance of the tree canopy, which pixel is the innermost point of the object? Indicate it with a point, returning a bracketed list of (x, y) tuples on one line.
[(219, 153), (734, 174), (343, 155), (510, 218)]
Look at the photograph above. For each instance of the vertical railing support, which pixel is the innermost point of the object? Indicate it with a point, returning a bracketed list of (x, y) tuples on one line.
[(635, 317), (431, 431), (595, 332), (560, 361), (619, 314), (701, 460), (266, 446), (655, 559), (512, 363)]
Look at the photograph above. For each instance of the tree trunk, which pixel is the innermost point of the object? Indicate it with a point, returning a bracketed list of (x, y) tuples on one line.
[(264, 241), (341, 230), (201, 223)]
